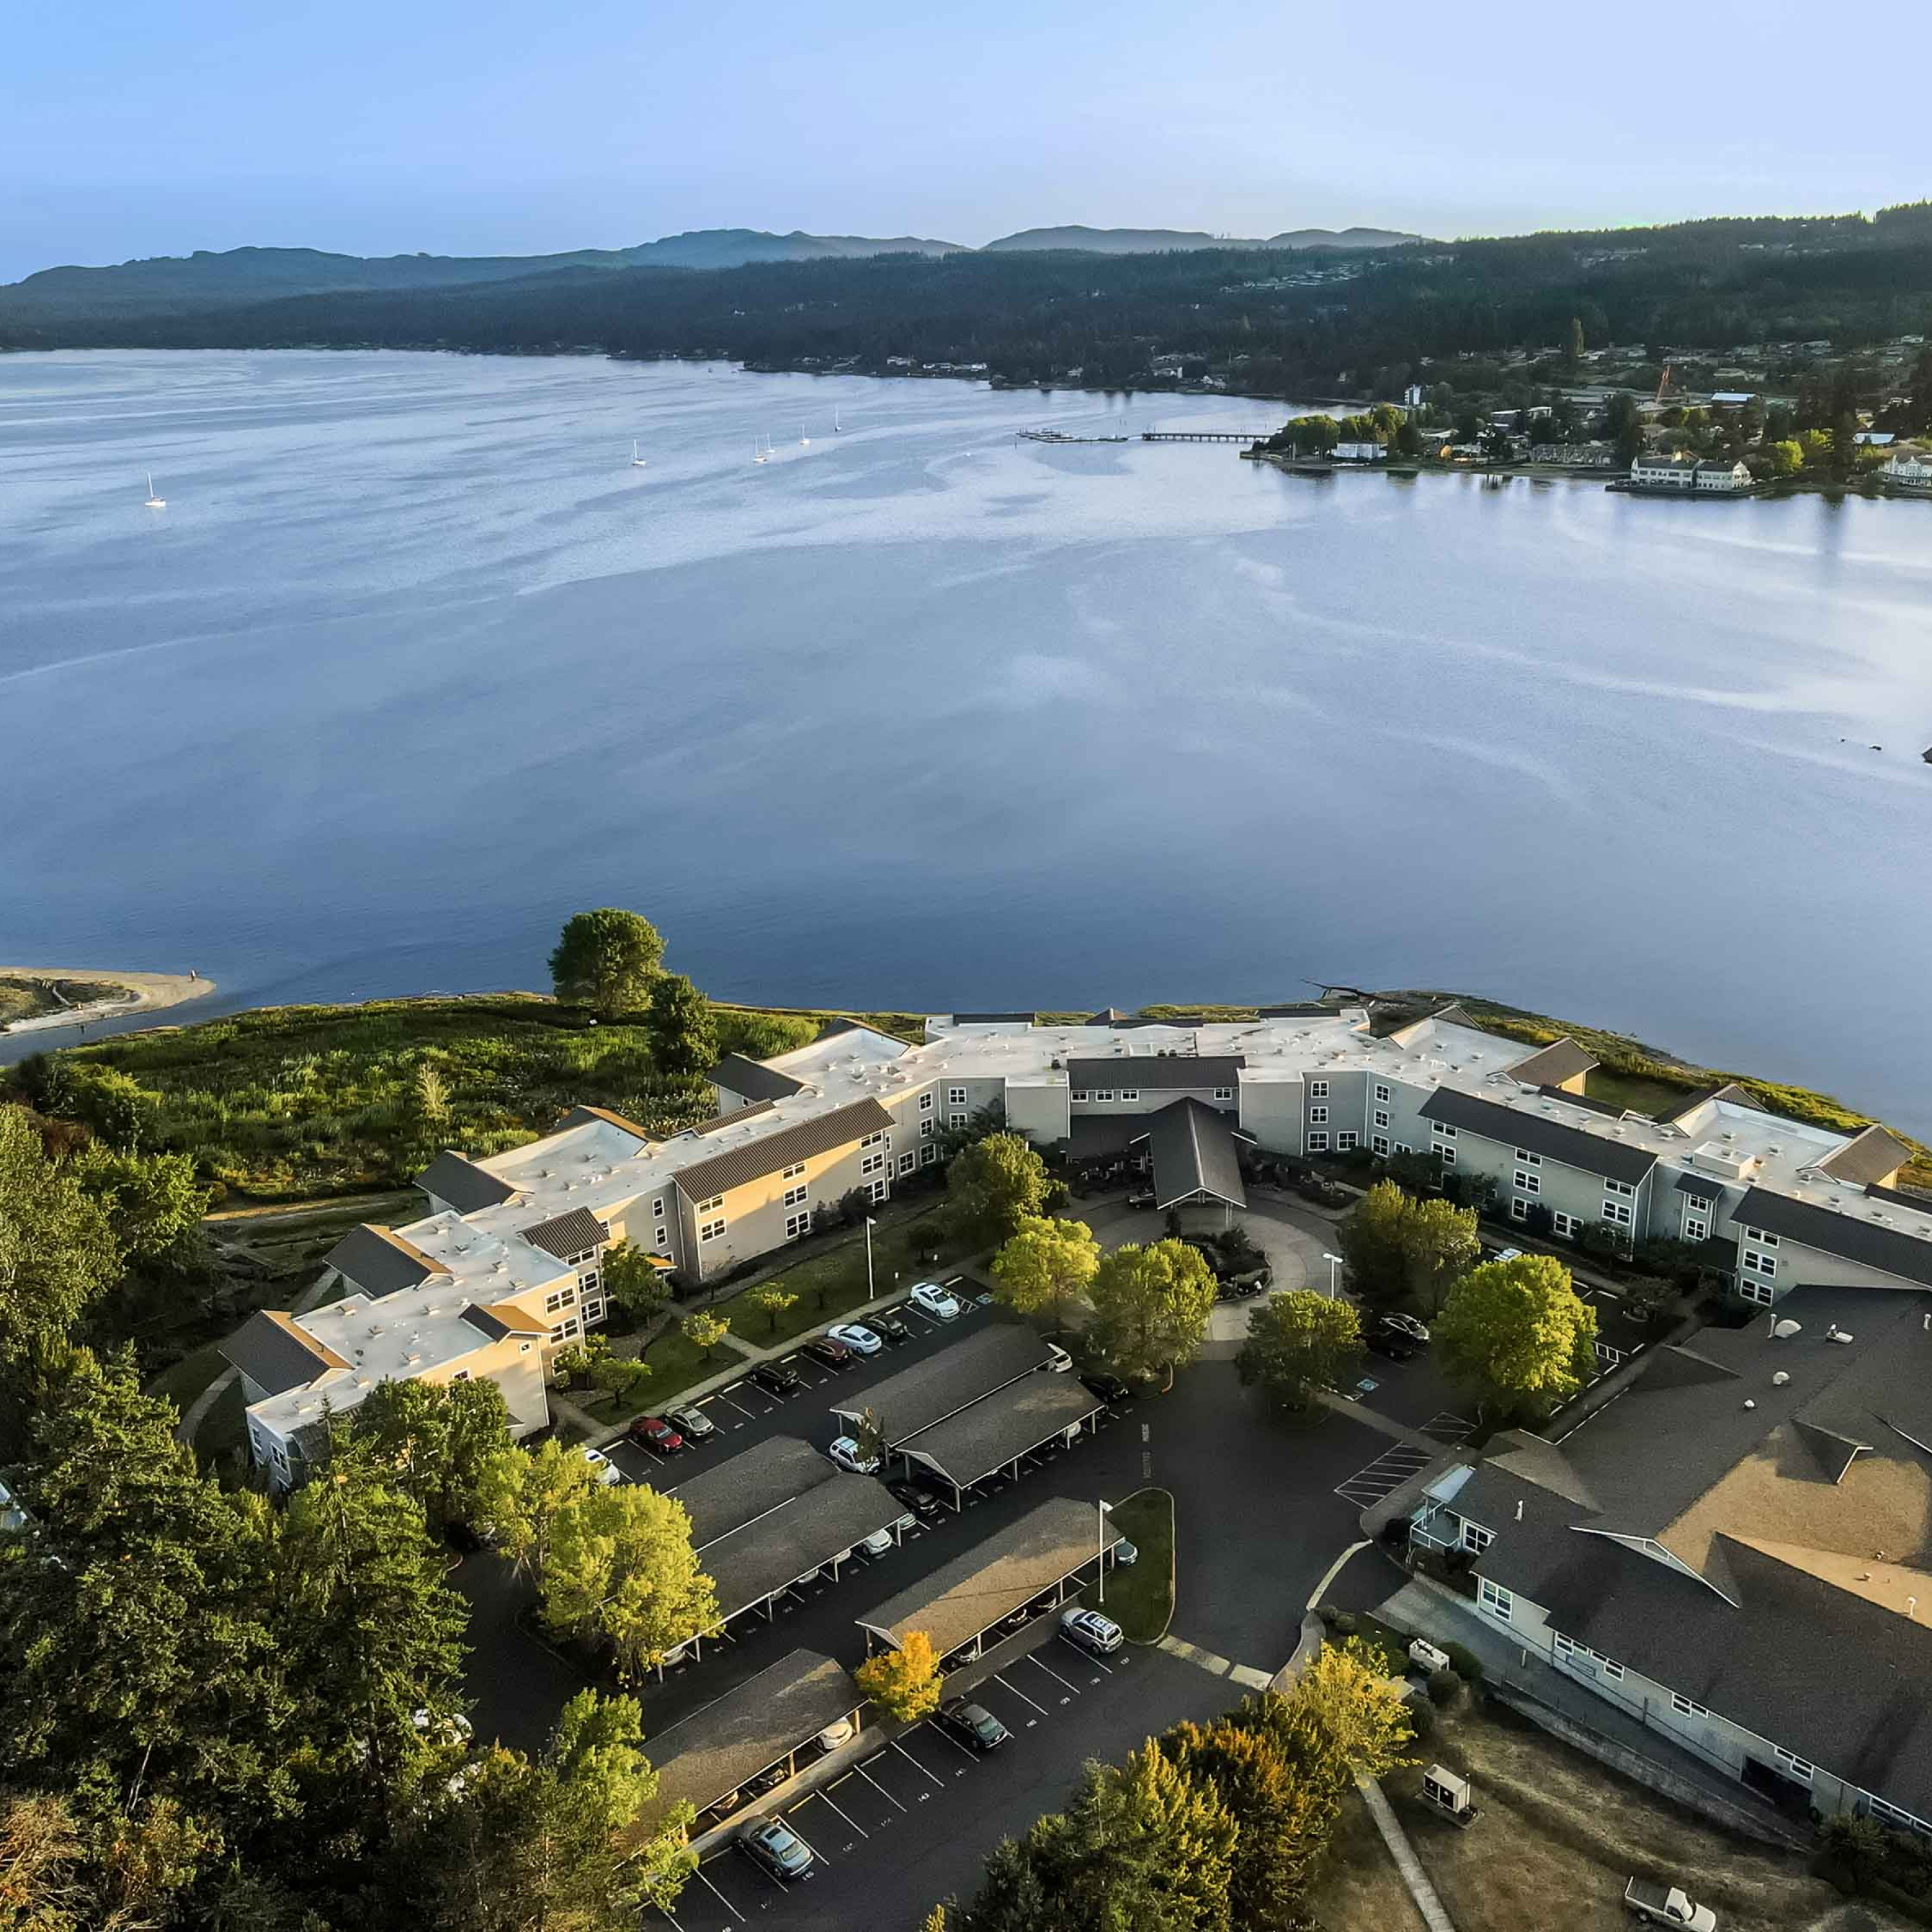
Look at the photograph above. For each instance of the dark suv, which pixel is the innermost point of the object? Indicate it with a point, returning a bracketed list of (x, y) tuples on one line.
[(775, 1378)]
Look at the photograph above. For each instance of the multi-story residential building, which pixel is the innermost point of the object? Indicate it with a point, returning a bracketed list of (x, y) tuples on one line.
[(1769, 1203), (1722, 477), (1663, 472), (1737, 1551)]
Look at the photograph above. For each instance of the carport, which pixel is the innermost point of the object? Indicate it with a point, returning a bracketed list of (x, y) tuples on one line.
[(786, 1515), (1196, 1159), (992, 1436), (1052, 1551), (706, 1759), (991, 1359)]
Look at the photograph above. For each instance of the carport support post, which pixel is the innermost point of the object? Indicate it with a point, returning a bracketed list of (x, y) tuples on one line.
[(1100, 1565), (872, 1293)]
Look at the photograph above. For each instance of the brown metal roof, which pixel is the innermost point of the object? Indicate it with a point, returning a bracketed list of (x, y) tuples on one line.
[(736, 1073), (582, 1117), (1875, 1155), (1550, 1066), (566, 1236), (768, 1153), (497, 1319)]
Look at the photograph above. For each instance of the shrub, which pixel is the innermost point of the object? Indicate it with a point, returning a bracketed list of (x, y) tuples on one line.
[(1444, 1688), (1466, 1664), (1421, 1715), (1328, 1613), (1343, 1623)]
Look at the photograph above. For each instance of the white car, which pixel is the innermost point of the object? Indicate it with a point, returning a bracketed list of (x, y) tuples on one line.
[(841, 1731), (937, 1301), (606, 1471), (1089, 1630), (857, 1336), (880, 1543), (847, 1453)]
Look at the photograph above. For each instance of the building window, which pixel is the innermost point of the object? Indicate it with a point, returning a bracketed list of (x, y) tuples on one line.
[(1892, 1815), (1346, 1139), (955, 1096), (1563, 1225), (1079, 1096), (566, 1330), (1447, 1156), (1317, 1089), (955, 1119), (1130, 1092), (593, 1313), (1382, 1094), (709, 1230), (1380, 1144), (1103, 1093), (1696, 1228), (1518, 1208), (1760, 1263), (705, 1207), (928, 1154), (926, 1102), (797, 1225), (1402, 1146), (1527, 1182), (1382, 1119), (1758, 1235), (1617, 1213), (880, 1189), (1442, 1133), (1527, 1159), (1498, 1601), (1224, 1093), (793, 1196), (1621, 1188), (663, 1239), (792, 1172), (657, 1209), (1796, 1767), (872, 1163), (926, 1128), (461, 1375), (558, 1299), (1759, 1291), (1317, 1143), (908, 1161), (1317, 1117), (870, 1140), (1475, 1537), (1683, 1706)]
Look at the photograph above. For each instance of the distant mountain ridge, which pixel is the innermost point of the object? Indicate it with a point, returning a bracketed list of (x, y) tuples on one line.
[(164, 284)]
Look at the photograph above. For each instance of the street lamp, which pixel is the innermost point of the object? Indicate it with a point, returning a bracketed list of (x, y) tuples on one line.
[(871, 1294), (1102, 1520), (1334, 1269)]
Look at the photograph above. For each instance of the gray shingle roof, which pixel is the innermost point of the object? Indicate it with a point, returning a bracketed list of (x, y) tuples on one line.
[(1873, 1156), (738, 1075), (567, 1236), (1193, 1149), (380, 1262), (988, 1435), (1550, 1066), (1700, 1187), (1155, 1072), (942, 1384), (746, 1486), (791, 1541), (995, 1577), (1907, 1256), (277, 1356), (768, 1153), (455, 1178), (1555, 1140)]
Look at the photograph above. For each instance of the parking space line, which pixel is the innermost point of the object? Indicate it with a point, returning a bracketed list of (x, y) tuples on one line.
[(722, 1899), (846, 1815), (954, 1743), (802, 1838), (1074, 1688), (998, 1678), (917, 1766), (860, 1768)]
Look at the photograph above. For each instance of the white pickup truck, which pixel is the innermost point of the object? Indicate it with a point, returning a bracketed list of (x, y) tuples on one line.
[(1668, 1905)]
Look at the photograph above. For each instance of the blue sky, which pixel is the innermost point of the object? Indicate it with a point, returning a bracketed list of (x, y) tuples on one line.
[(490, 127)]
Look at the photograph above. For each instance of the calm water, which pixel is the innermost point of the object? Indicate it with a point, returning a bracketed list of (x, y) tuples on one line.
[(414, 664)]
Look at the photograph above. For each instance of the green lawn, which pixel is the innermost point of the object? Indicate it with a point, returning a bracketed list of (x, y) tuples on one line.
[(1390, 1645), (674, 1365), (1140, 1598), (1635, 1092), (182, 1383)]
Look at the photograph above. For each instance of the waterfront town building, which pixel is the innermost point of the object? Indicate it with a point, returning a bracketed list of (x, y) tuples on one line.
[(504, 1265)]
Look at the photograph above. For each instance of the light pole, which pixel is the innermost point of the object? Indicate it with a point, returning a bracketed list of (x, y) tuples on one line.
[(870, 1294), (1102, 1520), (1334, 1272)]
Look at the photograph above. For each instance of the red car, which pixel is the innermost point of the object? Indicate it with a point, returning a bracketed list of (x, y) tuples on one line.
[(652, 1432)]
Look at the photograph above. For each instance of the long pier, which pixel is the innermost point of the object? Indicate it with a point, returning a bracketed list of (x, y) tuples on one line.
[(1205, 435)]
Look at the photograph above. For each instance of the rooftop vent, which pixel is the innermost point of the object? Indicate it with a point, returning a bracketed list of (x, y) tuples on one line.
[(1779, 1380)]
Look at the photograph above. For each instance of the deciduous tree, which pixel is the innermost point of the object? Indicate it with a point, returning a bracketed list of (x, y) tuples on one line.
[(704, 1330), (441, 1442), (994, 1185), (1150, 1306), (633, 1281), (1298, 1342), (771, 1301), (1047, 1265), (522, 1496), (606, 960), (679, 1024), (58, 1252), (903, 1683), (1515, 1333)]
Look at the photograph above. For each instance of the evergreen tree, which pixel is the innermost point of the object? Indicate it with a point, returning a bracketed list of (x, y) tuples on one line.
[(679, 1023)]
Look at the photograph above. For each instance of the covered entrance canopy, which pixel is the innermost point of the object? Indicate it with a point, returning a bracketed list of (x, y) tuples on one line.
[(1195, 1155)]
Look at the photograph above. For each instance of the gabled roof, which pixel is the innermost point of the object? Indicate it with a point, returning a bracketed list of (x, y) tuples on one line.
[(1874, 1156), (1193, 1150), (455, 1178), (1155, 1072), (583, 1116), (749, 1112), (738, 1075), (1889, 1250), (744, 1487), (277, 1355), (380, 1262), (497, 1319), (1726, 1090), (768, 1153), (942, 1384), (989, 1434), (566, 1236), (1550, 1066), (1555, 1140), (1700, 1187)]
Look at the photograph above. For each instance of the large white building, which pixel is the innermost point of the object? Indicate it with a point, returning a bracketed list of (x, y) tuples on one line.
[(506, 1265)]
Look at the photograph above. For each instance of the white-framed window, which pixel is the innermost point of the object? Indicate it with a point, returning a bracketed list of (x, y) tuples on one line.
[(1317, 1117), (1617, 1213), (797, 1225), (1130, 1093), (955, 1096), (1525, 1159), (794, 1196), (925, 1101), (1590, 1660), (1622, 1189), (1317, 1089), (1801, 1769), (1380, 1144), (1475, 1537), (1382, 1095), (1494, 1598), (1565, 1224), (1080, 1096), (1685, 1707), (566, 1330), (705, 1207), (1518, 1208), (657, 1209), (593, 1313), (908, 1161), (1103, 1093), (461, 1375), (870, 1140), (1758, 1235), (1317, 1143), (1347, 1138), (1758, 1262), (1892, 1815), (872, 1163), (709, 1230), (1382, 1118), (1759, 1291), (880, 1189), (662, 1241), (1696, 1228), (926, 1128), (558, 1299), (792, 1172), (1402, 1146), (956, 1120), (1224, 1093), (1447, 1156), (590, 1279), (1441, 1132), (1527, 1182), (928, 1154)]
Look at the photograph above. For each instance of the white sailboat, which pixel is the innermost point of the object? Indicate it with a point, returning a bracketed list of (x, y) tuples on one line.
[(638, 462), (804, 441), (838, 428), (154, 502), (759, 455)]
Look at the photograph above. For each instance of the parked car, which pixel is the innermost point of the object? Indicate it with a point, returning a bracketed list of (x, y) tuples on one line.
[(692, 1423), (1108, 1387), (823, 1348), (972, 1725), (923, 1503), (1089, 1630), (1142, 1197), (774, 1847), (1397, 1336), (847, 1453), (880, 1543), (606, 1470), (937, 1301), (777, 1379), (840, 1731), (1668, 1905), (1126, 1554), (857, 1336), (890, 1328), (654, 1433)]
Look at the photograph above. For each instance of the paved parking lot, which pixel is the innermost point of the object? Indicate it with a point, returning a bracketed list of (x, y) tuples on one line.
[(911, 1824), (1388, 1472)]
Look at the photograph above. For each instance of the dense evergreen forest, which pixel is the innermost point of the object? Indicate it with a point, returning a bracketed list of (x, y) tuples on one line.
[(1281, 322)]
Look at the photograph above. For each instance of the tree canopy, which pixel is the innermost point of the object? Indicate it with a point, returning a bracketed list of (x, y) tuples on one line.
[(1399, 1248), (679, 1024), (995, 1184), (1045, 1265), (903, 1683), (1299, 1342), (607, 960), (1150, 1306), (1516, 1335)]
